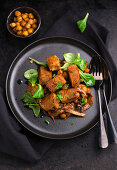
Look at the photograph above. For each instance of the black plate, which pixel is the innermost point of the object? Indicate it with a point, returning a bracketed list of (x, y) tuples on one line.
[(39, 50)]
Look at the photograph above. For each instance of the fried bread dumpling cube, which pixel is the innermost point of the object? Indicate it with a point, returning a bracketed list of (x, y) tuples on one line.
[(57, 82), (31, 88), (49, 102), (44, 75), (69, 95), (73, 72), (53, 63)]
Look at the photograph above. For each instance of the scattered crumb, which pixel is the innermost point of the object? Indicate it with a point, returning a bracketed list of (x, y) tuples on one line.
[(31, 61)]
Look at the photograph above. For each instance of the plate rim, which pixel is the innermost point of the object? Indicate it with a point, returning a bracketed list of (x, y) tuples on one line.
[(31, 44)]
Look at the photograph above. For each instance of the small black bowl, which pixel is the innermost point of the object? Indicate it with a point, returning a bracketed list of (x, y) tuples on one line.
[(23, 10)]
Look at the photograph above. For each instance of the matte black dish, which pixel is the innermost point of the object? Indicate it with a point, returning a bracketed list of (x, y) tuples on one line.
[(39, 50), (23, 10)]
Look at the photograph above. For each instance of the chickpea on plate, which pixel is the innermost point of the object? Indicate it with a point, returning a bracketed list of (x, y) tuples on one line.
[(24, 24)]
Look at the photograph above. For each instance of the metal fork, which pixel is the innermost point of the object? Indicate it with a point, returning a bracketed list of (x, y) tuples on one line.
[(96, 70)]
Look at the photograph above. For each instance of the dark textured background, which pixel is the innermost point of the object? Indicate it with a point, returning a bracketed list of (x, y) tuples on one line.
[(83, 152)]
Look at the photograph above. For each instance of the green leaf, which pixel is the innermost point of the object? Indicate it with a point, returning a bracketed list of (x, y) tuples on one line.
[(67, 97), (53, 75), (33, 80), (82, 23), (59, 85), (66, 85), (59, 96), (87, 78), (80, 62), (64, 67), (28, 99), (31, 73), (39, 63), (47, 121), (39, 93), (36, 109), (69, 57), (72, 123)]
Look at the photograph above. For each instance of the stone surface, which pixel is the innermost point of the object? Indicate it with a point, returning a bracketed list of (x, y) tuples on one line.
[(82, 152)]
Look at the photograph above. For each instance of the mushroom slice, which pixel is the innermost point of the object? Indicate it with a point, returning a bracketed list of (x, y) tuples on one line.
[(76, 113)]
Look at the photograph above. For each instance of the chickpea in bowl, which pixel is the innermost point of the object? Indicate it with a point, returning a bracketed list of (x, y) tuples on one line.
[(23, 22)]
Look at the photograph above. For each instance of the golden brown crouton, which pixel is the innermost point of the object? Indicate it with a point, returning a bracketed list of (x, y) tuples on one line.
[(49, 102), (73, 72), (52, 84), (31, 88), (53, 63), (44, 75), (69, 95)]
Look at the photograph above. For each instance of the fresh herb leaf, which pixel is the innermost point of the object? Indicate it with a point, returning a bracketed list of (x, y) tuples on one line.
[(39, 93), (33, 80), (30, 102), (67, 97), (87, 78), (59, 96), (66, 85), (59, 85), (53, 75), (47, 121), (81, 24), (80, 62), (64, 67), (69, 57), (28, 99), (31, 73), (36, 109), (83, 101), (72, 123), (37, 62)]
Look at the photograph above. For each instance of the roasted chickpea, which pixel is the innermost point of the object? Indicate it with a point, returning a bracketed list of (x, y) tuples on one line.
[(76, 101), (88, 90), (78, 94), (30, 30), (19, 28), (17, 13), (14, 29), (34, 21), (24, 16), (26, 19), (15, 19), (17, 23), (23, 23), (13, 24), (81, 80), (19, 18), (86, 101), (34, 26), (84, 88), (25, 33), (63, 116), (86, 70), (19, 33), (31, 15), (31, 21), (27, 25), (24, 29)]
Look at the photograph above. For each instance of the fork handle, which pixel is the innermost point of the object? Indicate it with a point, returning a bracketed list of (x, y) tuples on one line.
[(112, 133), (103, 140)]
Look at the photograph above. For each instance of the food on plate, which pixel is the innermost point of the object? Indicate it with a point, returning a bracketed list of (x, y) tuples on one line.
[(23, 24), (59, 87)]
